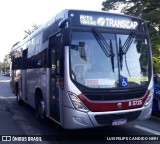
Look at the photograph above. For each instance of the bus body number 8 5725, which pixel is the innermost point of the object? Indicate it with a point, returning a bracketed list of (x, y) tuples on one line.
[(135, 103)]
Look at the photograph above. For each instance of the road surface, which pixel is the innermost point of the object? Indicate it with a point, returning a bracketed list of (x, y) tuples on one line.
[(18, 120)]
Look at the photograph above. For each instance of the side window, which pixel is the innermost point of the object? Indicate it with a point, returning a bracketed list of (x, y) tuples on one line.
[(16, 61), (38, 61), (24, 59)]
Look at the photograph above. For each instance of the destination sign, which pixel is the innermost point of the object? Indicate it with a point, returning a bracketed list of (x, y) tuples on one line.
[(102, 19), (108, 22)]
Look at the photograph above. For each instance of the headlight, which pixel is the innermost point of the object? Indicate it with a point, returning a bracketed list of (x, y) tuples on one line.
[(149, 98), (77, 102)]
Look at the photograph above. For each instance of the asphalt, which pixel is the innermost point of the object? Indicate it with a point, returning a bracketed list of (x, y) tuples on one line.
[(7, 124)]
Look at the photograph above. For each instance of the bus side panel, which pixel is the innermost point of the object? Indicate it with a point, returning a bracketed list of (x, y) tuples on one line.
[(74, 119), (30, 86), (36, 79)]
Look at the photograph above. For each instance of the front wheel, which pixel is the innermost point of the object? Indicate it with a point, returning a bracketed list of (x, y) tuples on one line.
[(40, 111)]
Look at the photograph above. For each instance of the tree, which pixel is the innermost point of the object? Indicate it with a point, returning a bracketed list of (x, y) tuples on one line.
[(5, 66), (148, 10), (16, 44), (30, 31)]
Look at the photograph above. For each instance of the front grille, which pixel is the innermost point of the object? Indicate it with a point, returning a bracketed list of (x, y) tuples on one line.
[(107, 119), (115, 95)]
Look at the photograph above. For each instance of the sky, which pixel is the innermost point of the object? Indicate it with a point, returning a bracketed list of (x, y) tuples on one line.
[(19, 15)]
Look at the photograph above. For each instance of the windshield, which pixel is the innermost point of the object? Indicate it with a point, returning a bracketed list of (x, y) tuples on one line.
[(134, 63), (93, 68)]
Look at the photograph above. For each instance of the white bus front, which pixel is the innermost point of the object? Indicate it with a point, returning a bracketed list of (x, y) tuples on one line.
[(108, 78)]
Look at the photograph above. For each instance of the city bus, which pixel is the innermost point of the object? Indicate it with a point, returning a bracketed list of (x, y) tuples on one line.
[(85, 69)]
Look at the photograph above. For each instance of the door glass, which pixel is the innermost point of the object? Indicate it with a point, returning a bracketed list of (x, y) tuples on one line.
[(54, 95)]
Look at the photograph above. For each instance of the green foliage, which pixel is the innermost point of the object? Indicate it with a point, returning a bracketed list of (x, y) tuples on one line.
[(30, 31), (148, 10), (5, 66), (155, 39), (16, 43)]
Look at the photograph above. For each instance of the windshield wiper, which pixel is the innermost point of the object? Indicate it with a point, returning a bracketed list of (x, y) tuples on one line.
[(120, 53), (112, 55), (108, 50), (123, 49)]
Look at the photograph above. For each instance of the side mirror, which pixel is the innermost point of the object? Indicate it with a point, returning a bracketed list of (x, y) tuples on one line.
[(62, 24)]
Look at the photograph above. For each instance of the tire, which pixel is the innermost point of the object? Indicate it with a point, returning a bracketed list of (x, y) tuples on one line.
[(40, 111), (17, 93), (19, 101)]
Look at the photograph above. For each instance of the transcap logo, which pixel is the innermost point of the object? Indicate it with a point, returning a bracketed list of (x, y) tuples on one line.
[(117, 23), (101, 21)]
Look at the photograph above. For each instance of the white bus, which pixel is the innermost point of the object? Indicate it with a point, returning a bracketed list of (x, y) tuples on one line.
[(86, 69)]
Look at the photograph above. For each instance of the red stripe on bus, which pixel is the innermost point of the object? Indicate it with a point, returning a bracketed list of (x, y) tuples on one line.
[(101, 106)]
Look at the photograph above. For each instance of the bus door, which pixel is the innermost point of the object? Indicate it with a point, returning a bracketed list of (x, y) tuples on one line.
[(54, 52), (23, 75)]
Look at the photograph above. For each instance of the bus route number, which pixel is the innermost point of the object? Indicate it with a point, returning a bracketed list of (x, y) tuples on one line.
[(135, 103)]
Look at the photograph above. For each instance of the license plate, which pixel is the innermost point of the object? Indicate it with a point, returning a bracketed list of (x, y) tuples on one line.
[(119, 122)]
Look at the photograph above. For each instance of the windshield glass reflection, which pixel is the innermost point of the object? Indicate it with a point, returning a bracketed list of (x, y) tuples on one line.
[(91, 67)]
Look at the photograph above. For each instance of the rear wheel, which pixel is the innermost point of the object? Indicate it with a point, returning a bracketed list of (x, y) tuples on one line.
[(19, 101), (18, 95), (40, 108)]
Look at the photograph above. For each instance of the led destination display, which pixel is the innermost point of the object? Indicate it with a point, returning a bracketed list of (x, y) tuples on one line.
[(108, 22), (105, 20)]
